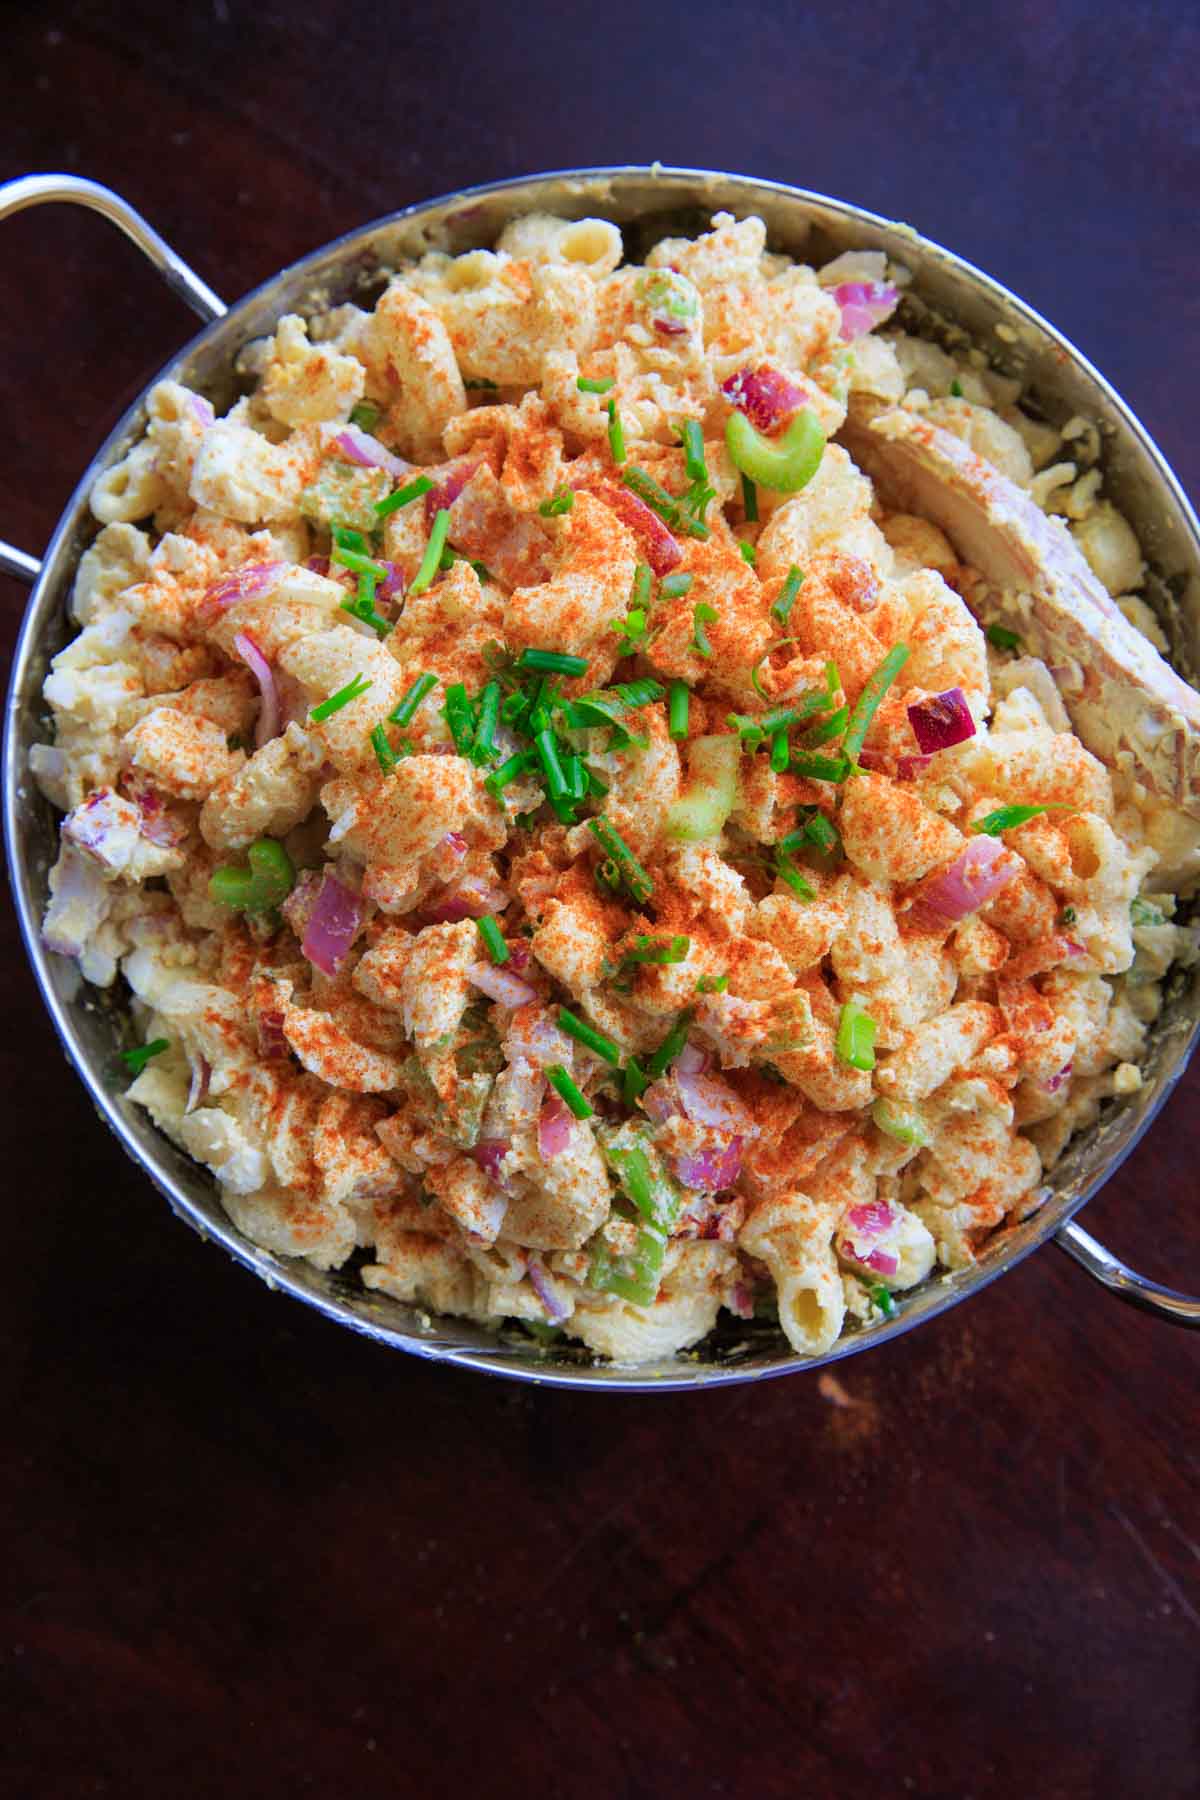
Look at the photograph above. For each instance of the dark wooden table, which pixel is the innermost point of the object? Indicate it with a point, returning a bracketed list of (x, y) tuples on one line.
[(245, 1554)]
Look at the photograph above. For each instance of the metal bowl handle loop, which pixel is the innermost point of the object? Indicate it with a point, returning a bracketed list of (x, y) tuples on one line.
[(1126, 1283), (37, 190)]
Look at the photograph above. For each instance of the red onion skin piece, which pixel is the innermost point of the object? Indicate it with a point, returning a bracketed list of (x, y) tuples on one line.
[(332, 926), (941, 720), (661, 547), (872, 1219), (709, 1171), (981, 870), (767, 398), (267, 725), (454, 480), (489, 1153), (499, 985), (359, 447), (741, 1301), (555, 1126), (1056, 1081), (556, 1312), (864, 305), (198, 1087), (911, 768), (239, 584)]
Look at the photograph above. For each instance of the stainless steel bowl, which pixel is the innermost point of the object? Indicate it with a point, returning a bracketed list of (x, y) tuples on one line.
[(647, 203)]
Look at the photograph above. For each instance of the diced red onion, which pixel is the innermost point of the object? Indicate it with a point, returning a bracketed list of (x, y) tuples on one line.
[(489, 1153), (518, 955), (298, 907), (268, 712), (239, 584), (272, 1043), (393, 583), (456, 843), (661, 547), (333, 925), (707, 1100), (942, 720), (981, 870), (1056, 1081), (691, 1060), (669, 327), (877, 761), (198, 1088), (872, 1219), (367, 451), (882, 1261), (864, 305), (470, 898), (556, 1312), (768, 399), (499, 985), (555, 1126), (202, 411), (741, 1301), (710, 1170), (318, 564), (661, 1101), (911, 768), (867, 1223), (454, 480), (105, 826)]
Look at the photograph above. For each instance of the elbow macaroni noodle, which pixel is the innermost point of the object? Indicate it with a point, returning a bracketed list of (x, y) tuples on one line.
[(400, 1095)]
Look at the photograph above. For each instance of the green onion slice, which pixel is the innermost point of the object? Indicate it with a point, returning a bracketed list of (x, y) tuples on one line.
[(557, 504), (702, 615), (1002, 637), (616, 433), (433, 553), (589, 1037), (493, 940), (136, 1060), (673, 587), (787, 597), (658, 950), (693, 451), (749, 500), (855, 1040), (403, 713), (670, 1047), (677, 711), (405, 496), (618, 852), (1007, 818), (867, 704), (552, 662), (592, 384), (712, 984), (566, 1090), (385, 756), (343, 697)]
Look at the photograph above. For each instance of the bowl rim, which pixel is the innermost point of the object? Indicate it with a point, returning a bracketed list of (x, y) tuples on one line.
[(940, 1292)]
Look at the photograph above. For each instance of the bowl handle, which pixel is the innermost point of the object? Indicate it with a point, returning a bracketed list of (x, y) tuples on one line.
[(37, 190), (1126, 1283)]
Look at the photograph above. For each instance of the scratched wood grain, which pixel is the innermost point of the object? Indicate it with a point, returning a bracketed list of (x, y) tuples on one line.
[(245, 1554)]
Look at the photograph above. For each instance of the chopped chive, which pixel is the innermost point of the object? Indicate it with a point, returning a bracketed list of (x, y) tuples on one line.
[(547, 750), (343, 697), (575, 772), (693, 451), (483, 748), (404, 496), (749, 500), (821, 768), (481, 569), (557, 504), (677, 712), (828, 728), (855, 1041), (360, 564), (509, 771), (789, 873), (1141, 913), (567, 1091), (616, 433), (589, 1037), (448, 560), (364, 415), (482, 383), (593, 384), (749, 553), (385, 756), (617, 851), (881, 1295), (659, 500), (702, 615), (402, 714), (1007, 818), (787, 595), (673, 586), (136, 1060), (552, 662), (632, 626), (1002, 637), (712, 984), (640, 692), (633, 1082), (1068, 915), (780, 752), (670, 1047), (658, 950), (867, 704), (459, 715), (433, 554), (956, 388), (346, 538), (493, 941)]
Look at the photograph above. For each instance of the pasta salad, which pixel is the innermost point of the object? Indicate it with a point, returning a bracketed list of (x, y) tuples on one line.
[(577, 857)]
